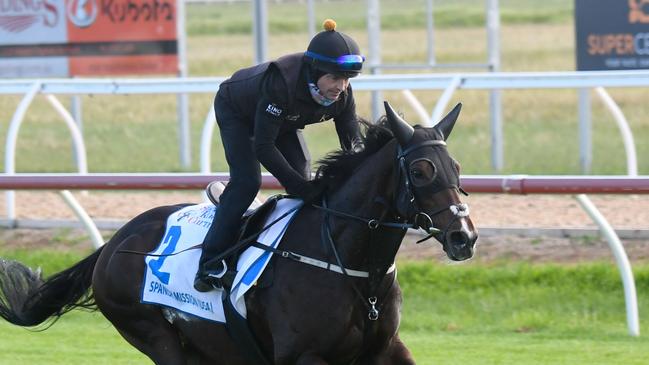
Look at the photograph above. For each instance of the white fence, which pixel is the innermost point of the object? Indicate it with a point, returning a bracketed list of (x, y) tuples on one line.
[(449, 83)]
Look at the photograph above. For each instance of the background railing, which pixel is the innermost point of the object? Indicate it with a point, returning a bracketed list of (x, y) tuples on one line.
[(474, 184), (449, 83)]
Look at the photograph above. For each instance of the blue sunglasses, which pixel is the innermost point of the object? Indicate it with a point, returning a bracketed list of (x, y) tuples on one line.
[(347, 62)]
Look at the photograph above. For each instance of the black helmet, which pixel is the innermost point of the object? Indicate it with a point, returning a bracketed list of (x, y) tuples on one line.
[(334, 52)]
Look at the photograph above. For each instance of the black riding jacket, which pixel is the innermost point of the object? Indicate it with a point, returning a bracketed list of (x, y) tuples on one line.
[(273, 98)]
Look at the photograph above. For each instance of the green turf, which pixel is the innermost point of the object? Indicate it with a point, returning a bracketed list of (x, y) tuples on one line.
[(286, 17), (504, 313)]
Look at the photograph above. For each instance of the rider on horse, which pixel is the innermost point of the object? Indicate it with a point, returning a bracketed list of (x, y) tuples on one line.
[(261, 111)]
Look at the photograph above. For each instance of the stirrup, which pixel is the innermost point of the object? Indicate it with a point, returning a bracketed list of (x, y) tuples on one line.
[(207, 280), (217, 275)]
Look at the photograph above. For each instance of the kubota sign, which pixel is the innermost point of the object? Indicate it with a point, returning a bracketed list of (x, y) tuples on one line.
[(612, 34), (60, 38)]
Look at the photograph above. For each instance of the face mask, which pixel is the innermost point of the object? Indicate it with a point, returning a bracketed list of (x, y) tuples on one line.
[(317, 97)]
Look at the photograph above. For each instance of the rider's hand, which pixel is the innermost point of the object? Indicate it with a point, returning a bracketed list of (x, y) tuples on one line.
[(309, 191)]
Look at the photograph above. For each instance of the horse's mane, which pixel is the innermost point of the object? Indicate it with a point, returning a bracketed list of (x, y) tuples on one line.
[(337, 166)]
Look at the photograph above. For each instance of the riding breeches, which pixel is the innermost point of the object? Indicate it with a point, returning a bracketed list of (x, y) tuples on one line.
[(245, 177)]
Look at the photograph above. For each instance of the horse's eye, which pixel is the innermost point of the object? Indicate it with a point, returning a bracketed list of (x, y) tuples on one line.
[(422, 172)]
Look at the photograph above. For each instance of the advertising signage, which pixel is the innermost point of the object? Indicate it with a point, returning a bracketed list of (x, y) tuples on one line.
[(612, 34), (61, 38)]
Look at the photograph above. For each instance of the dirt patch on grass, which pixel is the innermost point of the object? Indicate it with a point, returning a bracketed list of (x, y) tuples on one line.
[(539, 211), (532, 249)]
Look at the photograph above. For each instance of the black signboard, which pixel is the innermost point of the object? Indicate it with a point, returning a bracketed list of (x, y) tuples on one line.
[(612, 34)]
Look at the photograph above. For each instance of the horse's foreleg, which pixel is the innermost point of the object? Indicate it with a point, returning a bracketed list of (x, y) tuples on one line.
[(395, 354), (399, 353)]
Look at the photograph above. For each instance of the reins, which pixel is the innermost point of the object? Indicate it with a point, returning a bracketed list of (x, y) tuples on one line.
[(281, 253), (371, 301), (325, 235), (372, 223)]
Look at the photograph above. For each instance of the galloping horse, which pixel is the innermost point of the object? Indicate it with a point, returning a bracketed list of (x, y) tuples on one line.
[(403, 177)]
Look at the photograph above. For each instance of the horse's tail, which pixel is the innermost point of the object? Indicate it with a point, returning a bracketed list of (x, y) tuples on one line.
[(26, 300)]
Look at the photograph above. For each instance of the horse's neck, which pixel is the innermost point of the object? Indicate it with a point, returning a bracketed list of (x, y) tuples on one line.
[(374, 178), (364, 194)]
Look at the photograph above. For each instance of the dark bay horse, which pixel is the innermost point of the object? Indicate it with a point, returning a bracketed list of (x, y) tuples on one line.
[(403, 177)]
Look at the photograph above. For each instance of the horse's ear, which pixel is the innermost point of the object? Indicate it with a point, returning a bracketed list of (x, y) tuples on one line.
[(445, 126), (402, 130)]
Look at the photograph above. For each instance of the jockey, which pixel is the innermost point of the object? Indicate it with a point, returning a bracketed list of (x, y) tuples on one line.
[(261, 111)]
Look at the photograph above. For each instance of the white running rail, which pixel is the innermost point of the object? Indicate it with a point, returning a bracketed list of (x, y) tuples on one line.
[(449, 83)]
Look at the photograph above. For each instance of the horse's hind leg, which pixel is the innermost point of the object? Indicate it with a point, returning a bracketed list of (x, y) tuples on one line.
[(117, 285), (155, 338)]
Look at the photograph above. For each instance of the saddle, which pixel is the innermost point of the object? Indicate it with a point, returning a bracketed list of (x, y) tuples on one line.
[(252, 223), (253, 219)]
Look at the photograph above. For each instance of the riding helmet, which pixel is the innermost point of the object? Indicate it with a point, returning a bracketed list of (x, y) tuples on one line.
[(334, 52)]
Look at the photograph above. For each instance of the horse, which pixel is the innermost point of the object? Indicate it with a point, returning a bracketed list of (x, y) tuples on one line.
[(402, 177)]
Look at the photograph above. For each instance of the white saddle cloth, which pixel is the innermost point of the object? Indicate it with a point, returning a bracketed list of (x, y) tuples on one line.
[(169, 280)]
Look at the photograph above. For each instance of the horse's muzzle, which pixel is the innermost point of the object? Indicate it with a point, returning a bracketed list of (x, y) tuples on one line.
[(459, 244)]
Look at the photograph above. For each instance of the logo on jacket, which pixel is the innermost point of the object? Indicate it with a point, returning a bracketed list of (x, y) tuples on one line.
[(293, 118), (273, 110), (324, 118)]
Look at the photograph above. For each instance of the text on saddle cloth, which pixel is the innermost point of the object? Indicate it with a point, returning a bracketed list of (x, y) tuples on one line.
[(168, 280)]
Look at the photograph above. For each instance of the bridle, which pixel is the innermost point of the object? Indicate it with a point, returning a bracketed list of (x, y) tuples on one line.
[(411, 217), (412, 212)]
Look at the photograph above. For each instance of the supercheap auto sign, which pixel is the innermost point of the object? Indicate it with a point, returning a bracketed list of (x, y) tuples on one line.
[(60, 38), (612, 34)]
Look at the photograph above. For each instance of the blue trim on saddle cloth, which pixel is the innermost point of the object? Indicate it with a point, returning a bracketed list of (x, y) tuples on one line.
[(168, 280)]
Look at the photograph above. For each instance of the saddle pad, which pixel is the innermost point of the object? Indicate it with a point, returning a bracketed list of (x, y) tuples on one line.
[(169, 280)]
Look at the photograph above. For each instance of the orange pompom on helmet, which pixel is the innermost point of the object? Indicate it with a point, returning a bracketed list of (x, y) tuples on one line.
[(334, 52)]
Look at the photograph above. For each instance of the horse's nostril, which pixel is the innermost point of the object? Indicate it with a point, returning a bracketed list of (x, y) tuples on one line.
[(459, 239), (459, 245)]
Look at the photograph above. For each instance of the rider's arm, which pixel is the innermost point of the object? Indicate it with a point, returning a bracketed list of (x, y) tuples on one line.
[(347, 122), (268, 120)]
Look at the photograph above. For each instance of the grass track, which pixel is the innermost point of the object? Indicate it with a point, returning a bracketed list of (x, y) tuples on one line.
[(496, 314)]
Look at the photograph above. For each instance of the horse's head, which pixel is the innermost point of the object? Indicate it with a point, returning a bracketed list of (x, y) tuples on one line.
[(428, 181)]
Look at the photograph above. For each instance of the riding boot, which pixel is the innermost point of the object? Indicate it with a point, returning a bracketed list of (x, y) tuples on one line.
[(220, 237)]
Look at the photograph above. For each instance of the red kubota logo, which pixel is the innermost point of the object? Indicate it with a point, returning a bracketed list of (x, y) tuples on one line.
[(638, 11), (16, 16), (82, 13)]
